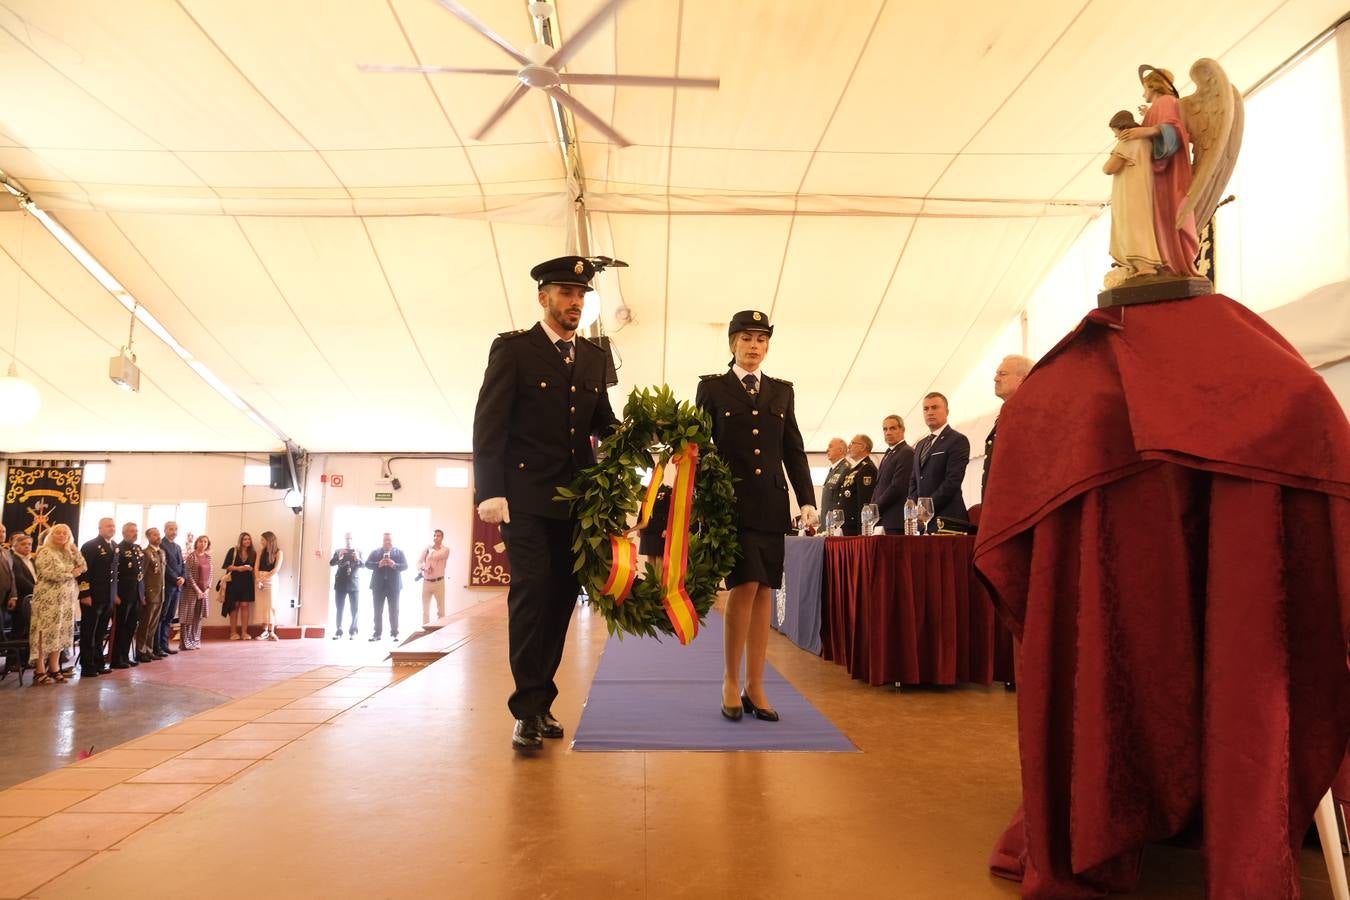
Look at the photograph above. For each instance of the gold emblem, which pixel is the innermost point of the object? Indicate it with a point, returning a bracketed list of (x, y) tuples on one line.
[(579, 267), (867, 480), (757, 316)]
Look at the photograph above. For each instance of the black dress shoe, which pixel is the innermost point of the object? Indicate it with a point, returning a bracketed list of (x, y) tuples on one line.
[(528, 734), (132, 663), (168, 651), (768, 715), (88, 673), (551, 727), (121, 665), (107, 667), (144, 657)]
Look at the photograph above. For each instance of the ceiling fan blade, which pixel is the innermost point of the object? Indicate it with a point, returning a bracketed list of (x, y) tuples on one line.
[(575, 41), (580, 110), (640, 80), (433, 70), (511, 99), (485, 31)]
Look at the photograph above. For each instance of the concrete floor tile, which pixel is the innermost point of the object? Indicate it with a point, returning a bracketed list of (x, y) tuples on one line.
[(227, 749), (302, 716), (140, 798), (126, 758), (197, 726), (190, 771), (39, 802), (22, 871), (278, 731), (167, 741), (80, 778), (77, 831)]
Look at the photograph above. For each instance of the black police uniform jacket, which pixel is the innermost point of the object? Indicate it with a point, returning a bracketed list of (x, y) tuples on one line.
[(830, 490), (131, 571), (758, 437), (856, 492), (534, 421), (99, 582)]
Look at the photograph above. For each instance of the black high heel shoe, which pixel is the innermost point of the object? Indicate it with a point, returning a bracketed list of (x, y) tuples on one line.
[(767, 715), (732, 712)]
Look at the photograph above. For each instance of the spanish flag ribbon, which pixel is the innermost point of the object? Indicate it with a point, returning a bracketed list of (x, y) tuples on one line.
[(623, 570), (653, 487), (674, 595)]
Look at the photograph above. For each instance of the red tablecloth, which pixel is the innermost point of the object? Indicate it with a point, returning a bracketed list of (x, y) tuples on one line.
[(910, 609), (1167, 526)]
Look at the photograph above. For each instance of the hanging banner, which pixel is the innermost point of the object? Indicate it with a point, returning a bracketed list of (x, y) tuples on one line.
[(39, 497), (488, 565)]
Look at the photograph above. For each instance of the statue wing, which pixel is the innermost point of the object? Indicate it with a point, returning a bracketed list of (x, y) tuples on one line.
[(1214, 118)]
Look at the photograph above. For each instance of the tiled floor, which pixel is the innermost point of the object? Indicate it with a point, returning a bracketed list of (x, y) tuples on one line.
[(413, 792), (52, 724)]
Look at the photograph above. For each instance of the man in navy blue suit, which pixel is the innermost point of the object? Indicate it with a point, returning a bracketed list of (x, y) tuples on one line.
[(940, 463), (897, 465)]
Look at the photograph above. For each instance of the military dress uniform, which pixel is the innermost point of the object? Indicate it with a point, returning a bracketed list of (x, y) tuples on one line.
[(856, 492), (834, 483), (757, 434), (130, 594), (538, 408), (99, 587)]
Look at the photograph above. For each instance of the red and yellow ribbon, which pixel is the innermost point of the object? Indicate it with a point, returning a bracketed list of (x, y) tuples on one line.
[(674, 596), (623, 570)]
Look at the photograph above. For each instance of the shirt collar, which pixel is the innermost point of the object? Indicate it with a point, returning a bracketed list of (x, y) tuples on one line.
[(741, 373), (936, 434), (553, 336)]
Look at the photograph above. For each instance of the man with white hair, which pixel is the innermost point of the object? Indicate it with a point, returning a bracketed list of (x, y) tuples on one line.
[(834, 479), (1012, 371)]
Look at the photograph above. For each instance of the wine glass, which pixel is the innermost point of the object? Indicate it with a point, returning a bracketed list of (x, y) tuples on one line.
[(925, 513), (911, 517), (869, 517)]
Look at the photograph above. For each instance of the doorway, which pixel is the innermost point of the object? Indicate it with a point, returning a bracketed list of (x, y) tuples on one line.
[(410, 528)]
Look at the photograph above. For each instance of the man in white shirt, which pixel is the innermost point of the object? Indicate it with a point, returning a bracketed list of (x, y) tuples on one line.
[(431, 565)]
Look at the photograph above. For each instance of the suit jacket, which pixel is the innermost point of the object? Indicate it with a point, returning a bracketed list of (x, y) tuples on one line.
[(829, 491), (758, 437), (155, 569), (859, 484), (100, 580), (24, 580), (534, 421), (897, 464), (6, 576), (174, 566), (385, 578), (348, 562), (939, 468)]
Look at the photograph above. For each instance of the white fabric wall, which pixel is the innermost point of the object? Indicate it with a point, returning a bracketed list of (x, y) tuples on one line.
[(1286, 235)]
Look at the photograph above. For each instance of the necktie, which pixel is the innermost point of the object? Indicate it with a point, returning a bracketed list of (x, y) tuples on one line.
[(565, 348), (751, 385), (928, 448)]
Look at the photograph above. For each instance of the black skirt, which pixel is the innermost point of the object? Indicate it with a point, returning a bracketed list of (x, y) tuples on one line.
[(761, 559)]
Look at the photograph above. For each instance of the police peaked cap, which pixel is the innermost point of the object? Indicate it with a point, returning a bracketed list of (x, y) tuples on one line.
[(749, 320), (576, 270)]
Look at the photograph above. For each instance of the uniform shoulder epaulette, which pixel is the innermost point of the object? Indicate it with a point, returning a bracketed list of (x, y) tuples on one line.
[(511, 334), (779, 380), (711, 377), (582, 339)]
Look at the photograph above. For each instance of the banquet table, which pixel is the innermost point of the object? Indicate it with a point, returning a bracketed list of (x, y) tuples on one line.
[(894, 609)]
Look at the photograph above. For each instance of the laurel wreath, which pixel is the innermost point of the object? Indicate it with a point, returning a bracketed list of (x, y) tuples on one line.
[(607, 496)]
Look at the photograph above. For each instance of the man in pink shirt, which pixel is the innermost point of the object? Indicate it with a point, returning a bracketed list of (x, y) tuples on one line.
[(431, 565)]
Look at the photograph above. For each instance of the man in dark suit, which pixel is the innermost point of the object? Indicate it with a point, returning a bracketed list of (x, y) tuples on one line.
[(893, 475), (543, 398), (19, 607), (837, 454), (386, 564), (940, 462), (1007, 379), (859, 483), (130, 598), (175, 576), (98, 596)]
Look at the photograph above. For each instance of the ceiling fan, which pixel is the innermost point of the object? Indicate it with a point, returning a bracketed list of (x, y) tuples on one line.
[(540, 65)]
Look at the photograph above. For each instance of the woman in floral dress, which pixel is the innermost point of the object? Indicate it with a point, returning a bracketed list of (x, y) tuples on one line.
[(52, 628)]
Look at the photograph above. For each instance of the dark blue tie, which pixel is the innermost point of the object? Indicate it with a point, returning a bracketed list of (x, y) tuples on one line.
[(751, 384), (565, 348)]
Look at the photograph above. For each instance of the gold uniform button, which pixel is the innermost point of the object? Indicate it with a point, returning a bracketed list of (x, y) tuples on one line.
[(571, 431), (757, 471), (757, 451), (754, 431), (754, 412), (574, 388), (521, 466), (726, 413), (543, 384), (573, 409)]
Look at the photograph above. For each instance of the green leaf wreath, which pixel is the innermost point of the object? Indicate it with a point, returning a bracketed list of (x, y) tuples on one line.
[(607, 498)]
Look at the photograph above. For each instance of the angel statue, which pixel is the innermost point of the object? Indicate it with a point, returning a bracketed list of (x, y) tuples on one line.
[(1186, 190)]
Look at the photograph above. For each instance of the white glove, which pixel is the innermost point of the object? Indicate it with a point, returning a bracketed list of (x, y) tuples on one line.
[(494, 511), (809, 517)]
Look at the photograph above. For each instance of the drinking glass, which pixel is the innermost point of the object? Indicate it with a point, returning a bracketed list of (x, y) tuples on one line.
[(869, 517), (911, 517), (925, 512)]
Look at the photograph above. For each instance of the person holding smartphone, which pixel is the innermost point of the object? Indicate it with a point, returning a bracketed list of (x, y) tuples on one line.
[(387, 565)]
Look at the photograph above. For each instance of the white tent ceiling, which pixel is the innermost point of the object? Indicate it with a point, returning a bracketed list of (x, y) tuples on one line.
[(889, 179)]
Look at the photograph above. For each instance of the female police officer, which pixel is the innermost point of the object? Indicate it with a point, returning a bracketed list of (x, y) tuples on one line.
[(755, 430)]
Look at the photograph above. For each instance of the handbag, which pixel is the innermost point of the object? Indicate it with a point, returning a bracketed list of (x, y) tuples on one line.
[(227, 603)]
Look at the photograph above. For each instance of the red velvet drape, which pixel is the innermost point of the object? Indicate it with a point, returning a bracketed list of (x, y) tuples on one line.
[(1167, 527)]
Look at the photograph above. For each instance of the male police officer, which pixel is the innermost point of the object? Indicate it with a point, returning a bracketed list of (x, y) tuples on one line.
[(859, 483), (98, 594), (130, 597), (835, 453), (543, 397)]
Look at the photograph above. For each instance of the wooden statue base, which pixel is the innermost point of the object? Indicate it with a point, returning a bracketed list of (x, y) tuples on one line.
[(1154, 289)]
